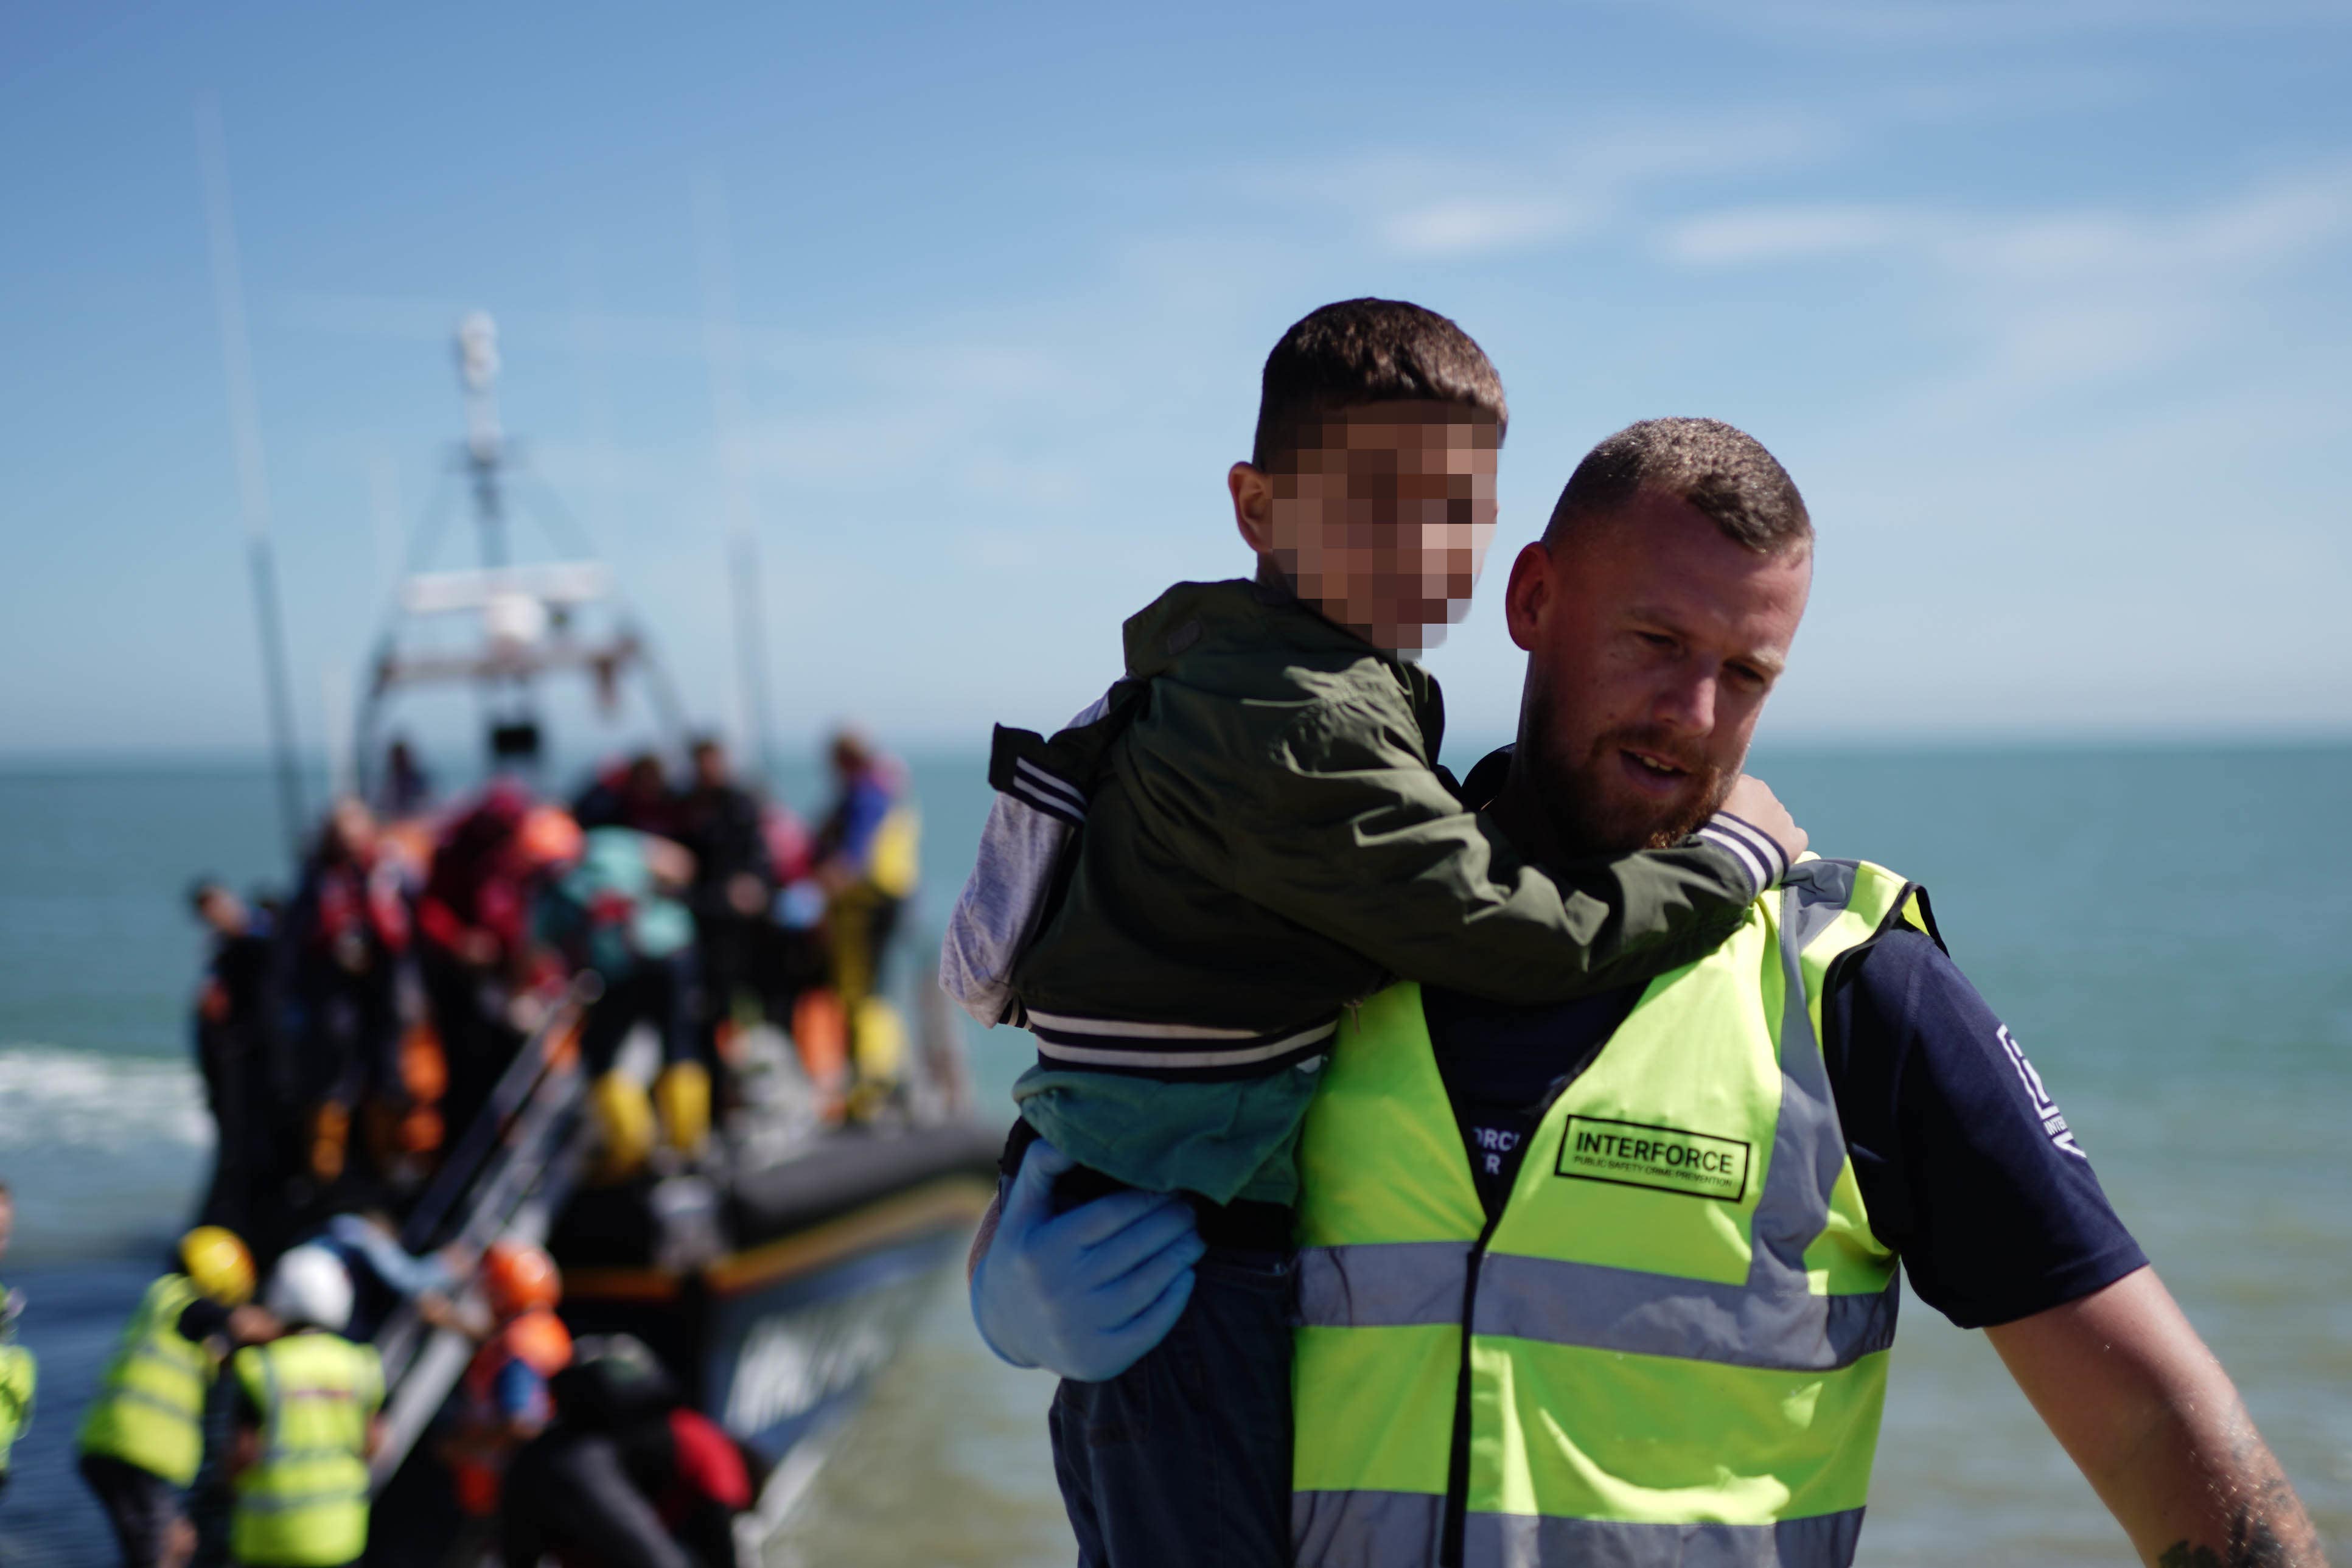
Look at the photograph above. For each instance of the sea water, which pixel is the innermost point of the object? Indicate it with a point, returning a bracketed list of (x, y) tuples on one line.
[(2168, 932)]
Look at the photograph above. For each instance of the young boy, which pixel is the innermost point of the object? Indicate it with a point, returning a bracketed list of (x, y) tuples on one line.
[(1258, 835)]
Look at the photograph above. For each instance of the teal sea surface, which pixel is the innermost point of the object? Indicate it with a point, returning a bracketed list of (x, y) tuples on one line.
[(2167, 932)]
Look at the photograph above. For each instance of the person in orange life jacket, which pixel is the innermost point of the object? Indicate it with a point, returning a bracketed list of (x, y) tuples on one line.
[(349, 942), (503, 1399), (629, 1475)]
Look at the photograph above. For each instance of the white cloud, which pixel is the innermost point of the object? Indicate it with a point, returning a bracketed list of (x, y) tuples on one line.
[(1470, 226), (1948, 22), (1749, 235), (2051, 299), (1562, 186)]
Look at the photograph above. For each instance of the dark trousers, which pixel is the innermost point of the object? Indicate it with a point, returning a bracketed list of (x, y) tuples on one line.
[(143, 1507), (660, 991), (1183, 1460)]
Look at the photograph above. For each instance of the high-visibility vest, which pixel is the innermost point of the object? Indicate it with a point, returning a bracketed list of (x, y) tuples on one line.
[(304, 1502), (1669, 1347), (150, 1410), (19, 1374)]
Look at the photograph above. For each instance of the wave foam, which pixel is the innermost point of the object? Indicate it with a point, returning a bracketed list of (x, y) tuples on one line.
[(53, 1097)]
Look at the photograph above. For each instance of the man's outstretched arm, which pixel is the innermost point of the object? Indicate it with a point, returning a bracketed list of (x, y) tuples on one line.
[(2157, 1428)]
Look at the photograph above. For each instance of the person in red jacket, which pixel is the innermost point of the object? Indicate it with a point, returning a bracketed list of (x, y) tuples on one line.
[(474, 918)]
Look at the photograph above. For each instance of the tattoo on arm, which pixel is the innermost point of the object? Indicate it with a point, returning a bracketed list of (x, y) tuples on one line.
[(2265, 1503)]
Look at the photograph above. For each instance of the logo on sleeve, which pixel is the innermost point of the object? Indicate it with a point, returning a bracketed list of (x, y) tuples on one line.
[(1667, 1159), (2052, 1121)]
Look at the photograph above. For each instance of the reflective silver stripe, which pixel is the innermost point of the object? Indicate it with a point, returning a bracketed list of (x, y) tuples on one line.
[(1382, 1284), (1365, 1529), (1808, 1144), (1814, 895), (1376, 1285), (1528, 1540), (1653, 1314), (285, 1502), (1072, 796), (1288, 1045)]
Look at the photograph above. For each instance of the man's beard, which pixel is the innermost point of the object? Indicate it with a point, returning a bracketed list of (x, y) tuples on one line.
[(1593, 813)]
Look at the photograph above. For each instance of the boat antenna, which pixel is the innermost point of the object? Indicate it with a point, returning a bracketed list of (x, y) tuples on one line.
[(252, 473), (514, 729), (478, 372), (723, 346)]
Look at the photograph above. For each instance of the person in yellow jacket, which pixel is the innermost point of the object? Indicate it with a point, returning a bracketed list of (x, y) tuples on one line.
[(1614, 1282), (307, 1421), (868, 860), (19, 1373), (142, 1439)]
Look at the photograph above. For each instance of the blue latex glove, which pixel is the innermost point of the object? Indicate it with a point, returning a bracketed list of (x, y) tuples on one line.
[(1083, 1293)]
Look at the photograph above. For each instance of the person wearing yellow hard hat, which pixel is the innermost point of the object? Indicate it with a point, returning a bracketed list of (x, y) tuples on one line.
[(142, 1439)]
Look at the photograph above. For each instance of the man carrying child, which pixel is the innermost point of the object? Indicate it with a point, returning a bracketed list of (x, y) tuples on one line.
[(1267, 840)]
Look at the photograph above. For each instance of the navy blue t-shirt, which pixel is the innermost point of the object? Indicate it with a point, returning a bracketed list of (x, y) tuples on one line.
[(1967, 1166)]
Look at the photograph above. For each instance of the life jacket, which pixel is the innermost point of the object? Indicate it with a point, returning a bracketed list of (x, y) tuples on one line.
[(150, 1410), (539, 1339), (304, 1502), (1670, 1345)]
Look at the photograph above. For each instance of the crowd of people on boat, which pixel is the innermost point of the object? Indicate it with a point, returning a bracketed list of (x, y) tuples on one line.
[(348, 1034), (351, 1033)]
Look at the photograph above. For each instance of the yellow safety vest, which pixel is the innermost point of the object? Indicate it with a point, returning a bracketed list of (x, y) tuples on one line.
[(19, 1374), (1677, 1328), (304, 1503), (150, 1410)]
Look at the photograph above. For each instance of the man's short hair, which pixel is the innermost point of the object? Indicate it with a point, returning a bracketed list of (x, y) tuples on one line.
[(1361, 351), (1717, 468)]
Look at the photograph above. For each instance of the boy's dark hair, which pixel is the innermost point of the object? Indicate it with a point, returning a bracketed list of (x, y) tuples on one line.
[(1361, 351), (1717, 468)]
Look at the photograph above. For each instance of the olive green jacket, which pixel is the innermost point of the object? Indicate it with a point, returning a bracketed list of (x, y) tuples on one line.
[(1267, 840)]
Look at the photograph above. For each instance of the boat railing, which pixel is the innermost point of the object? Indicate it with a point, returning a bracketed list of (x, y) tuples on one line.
[(506, 1177)]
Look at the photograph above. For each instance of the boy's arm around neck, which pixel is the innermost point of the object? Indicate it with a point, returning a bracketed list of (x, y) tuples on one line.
[(1330, 813)]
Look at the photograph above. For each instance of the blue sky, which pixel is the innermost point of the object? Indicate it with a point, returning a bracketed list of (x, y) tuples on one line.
[(2046, 306)]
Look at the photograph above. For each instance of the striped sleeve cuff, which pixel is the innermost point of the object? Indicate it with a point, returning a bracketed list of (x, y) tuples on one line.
[(1749, 845)]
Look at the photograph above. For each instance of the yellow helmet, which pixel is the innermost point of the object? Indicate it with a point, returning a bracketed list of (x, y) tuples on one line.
[(218, 1263)]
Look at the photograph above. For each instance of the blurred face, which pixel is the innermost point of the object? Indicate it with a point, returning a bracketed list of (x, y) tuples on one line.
[(710, 767), (354, 829), (1384, 520), (223, 912), (8, 1221), (1652, 644)]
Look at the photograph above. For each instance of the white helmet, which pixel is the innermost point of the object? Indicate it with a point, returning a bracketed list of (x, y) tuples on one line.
[(311, 1286)]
